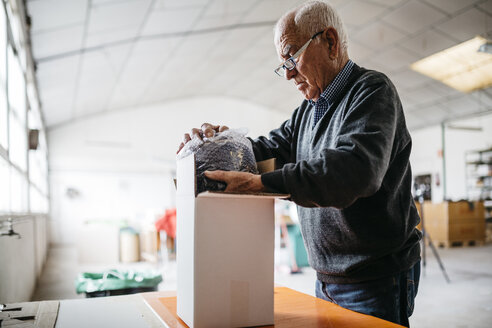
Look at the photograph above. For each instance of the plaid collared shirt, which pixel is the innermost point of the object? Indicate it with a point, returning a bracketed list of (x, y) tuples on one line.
[(328, 96)]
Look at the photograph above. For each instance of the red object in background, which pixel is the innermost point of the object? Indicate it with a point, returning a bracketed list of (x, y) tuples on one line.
[(167, 223)]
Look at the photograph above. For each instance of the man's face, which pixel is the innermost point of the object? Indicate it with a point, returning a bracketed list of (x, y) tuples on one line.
[(314, 69)]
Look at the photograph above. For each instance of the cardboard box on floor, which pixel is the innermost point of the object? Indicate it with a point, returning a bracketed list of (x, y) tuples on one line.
[(225, 246), (450, 222)]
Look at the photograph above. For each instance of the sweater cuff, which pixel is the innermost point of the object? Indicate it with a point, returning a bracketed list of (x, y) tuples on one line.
[(274, 181)]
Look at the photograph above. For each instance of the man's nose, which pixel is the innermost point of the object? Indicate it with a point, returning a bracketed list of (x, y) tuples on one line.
[(289, 74)]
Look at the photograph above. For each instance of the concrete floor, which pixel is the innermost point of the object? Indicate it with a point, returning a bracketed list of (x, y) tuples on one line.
[(465, 302)]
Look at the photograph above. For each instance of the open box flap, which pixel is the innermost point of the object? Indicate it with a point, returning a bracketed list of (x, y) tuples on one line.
[(186, 176), (268, 165)]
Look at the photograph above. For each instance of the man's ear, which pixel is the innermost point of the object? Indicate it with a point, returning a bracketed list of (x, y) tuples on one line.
[(331, 35)]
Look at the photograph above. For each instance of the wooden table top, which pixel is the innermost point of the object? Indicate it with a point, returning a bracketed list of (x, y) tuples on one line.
[(292, 309)]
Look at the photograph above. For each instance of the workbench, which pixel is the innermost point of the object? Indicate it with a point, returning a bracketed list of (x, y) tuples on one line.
[(158, 309)]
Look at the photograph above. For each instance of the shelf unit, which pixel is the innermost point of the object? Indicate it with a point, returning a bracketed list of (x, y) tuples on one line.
[(479, 177)]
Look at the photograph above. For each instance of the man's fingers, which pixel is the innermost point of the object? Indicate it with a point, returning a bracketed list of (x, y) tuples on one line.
[(237, 181), (209, 133), (209, 129), (209, 126), (216, 175), (196, 132), (181, 145), (206, 130)]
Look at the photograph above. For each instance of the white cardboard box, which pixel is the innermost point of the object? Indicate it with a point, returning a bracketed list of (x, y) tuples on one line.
[(225, 247)]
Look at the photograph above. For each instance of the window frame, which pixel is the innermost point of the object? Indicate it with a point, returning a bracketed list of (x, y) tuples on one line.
[(30, 106)]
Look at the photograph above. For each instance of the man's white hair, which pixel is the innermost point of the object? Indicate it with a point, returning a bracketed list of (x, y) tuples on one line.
[(310, 18)]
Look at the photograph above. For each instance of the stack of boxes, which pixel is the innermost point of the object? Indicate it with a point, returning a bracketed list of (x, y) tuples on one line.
[(461, 222)]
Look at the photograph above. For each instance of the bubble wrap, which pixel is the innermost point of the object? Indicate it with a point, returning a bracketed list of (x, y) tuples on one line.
[(229, 151)]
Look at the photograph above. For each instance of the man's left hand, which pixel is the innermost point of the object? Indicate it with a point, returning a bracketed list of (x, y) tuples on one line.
[(238, 181)]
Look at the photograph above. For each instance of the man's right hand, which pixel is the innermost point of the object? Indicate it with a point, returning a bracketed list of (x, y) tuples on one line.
[(206, 130)]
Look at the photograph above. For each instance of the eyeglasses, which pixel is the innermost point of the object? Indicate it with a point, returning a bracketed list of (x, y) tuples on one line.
[(290, 63)]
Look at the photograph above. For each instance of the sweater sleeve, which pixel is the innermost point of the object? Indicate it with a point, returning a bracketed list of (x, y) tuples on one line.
[(356, 165), (274, 181), (277, 145), (280, 145)]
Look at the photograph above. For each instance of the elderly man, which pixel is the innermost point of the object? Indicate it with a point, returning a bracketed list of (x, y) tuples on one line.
[(343, 157)]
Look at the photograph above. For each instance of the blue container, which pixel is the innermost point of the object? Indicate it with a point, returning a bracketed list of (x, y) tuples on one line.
[(297, 244)]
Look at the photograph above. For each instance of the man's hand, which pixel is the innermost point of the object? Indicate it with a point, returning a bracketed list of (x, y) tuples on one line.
[(238, 181), (206, 130)]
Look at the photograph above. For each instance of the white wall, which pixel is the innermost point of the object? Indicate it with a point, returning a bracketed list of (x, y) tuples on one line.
[(426, 157), (426, 153), (458, 142), (122, 163), (108, 196)]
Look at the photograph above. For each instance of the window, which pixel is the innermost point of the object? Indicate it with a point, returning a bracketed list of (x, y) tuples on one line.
[(3, 46), (38, 168), (39, 203), (16, 87), (3, 118), (17, 113), (15, 29), (3, 79), (18, 143), (4, 186), (23, 173), (18, 191)]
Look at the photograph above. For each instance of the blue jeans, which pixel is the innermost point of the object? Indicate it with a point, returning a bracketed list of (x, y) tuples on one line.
[(390, 298)]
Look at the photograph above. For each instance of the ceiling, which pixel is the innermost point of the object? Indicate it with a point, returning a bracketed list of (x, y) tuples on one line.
[(105, 55)]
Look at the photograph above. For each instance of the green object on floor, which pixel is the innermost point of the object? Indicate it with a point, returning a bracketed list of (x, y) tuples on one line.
[(125, 281), (297, 245)]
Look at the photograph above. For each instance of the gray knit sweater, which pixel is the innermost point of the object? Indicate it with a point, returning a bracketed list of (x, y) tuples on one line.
[(350, 177)]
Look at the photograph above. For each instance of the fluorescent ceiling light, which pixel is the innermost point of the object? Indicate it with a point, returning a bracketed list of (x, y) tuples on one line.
[(461, 67)]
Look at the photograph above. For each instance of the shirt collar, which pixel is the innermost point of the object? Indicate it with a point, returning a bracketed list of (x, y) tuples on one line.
[(338, 83)]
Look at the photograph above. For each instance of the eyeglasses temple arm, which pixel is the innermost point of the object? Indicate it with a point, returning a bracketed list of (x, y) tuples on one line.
[(298, 52)]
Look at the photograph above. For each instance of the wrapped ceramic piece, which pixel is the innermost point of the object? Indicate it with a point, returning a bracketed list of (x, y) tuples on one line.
[(229, 150)]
